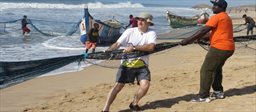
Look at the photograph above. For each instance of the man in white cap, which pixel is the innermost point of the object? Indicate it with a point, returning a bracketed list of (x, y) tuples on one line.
[(140, 38)]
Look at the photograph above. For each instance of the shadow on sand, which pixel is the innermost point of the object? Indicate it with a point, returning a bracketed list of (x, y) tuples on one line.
[(168, 103)]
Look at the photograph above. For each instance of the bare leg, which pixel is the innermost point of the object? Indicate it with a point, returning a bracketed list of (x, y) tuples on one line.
[(143, 89), (112, 95)]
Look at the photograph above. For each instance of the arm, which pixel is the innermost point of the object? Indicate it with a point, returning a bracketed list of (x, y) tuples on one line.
[(246, 20), (206, 37), (130, 22), (197, 35), (114, 46)]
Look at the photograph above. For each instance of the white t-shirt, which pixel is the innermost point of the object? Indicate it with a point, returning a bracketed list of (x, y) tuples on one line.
[(135, 37), (82, 27)]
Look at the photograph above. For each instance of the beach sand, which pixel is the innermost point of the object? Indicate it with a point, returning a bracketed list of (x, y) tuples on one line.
[(175, 80)]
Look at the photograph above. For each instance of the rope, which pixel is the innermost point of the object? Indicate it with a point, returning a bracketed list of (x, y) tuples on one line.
[(239, 39), (46, 34), (108, 66), (70, 32), (237, 29), (73, 29), (13, 21)]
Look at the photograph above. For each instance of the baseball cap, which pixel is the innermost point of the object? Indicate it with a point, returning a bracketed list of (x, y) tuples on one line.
[(146, 16), (221, 3)]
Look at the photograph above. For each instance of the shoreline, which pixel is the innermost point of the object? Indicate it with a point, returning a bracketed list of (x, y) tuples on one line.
[(175, 78)]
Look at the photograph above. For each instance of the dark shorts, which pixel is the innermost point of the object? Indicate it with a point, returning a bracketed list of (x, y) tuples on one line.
[(128, 75), (250, 26)]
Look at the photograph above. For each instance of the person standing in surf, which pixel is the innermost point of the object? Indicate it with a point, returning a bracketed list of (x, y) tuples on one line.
[(140, 38), (93, 38), (24, 27), (222, 47), (132, 22)]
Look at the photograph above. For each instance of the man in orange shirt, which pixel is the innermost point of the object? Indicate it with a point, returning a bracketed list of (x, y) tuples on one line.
[(221, 48)]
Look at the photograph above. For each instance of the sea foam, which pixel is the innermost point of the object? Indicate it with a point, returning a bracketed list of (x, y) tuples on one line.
[(94, 5)]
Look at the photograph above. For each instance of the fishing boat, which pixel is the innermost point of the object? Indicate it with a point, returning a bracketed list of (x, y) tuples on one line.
[(109, 30), (176, 21), (13, 72)]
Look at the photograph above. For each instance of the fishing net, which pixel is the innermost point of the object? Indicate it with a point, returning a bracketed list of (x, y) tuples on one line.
[(241, 42), (245, 46), (110, 57), (16, 72), (42, 27)]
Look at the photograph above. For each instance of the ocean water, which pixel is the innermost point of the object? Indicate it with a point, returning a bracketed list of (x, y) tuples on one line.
[(14, 48)]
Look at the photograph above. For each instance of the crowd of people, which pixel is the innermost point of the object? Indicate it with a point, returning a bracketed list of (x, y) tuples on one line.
[(143, 38), (140, 37)]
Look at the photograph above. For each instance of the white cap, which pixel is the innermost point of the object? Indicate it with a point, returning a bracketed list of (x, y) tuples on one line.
[(146, 16)]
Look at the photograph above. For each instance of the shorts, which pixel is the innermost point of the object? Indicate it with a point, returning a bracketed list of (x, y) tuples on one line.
[(89, 45), (250, 26), (25, 29), (83, 38), (128, 75)]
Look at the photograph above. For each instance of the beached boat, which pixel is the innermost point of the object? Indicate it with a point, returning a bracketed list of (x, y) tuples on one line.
[(176, 21), (109, 30)]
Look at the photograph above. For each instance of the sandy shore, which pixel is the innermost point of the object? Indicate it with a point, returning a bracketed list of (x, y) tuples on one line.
[(175, 80)]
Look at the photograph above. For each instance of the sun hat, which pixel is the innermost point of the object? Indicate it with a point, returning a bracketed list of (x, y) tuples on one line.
[(147, 16), (221, 3)]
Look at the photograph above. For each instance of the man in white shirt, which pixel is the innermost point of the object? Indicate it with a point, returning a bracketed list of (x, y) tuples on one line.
[(140, 38)]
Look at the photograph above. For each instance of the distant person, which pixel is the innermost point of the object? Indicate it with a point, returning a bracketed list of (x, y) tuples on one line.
[(83, 31), (141, 38), (229, 10), (132, 22), (93, 38), (24, 27), (250, 24), (222, 46)]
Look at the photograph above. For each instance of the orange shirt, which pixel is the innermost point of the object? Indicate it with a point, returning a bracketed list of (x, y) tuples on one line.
[(222, 33)]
